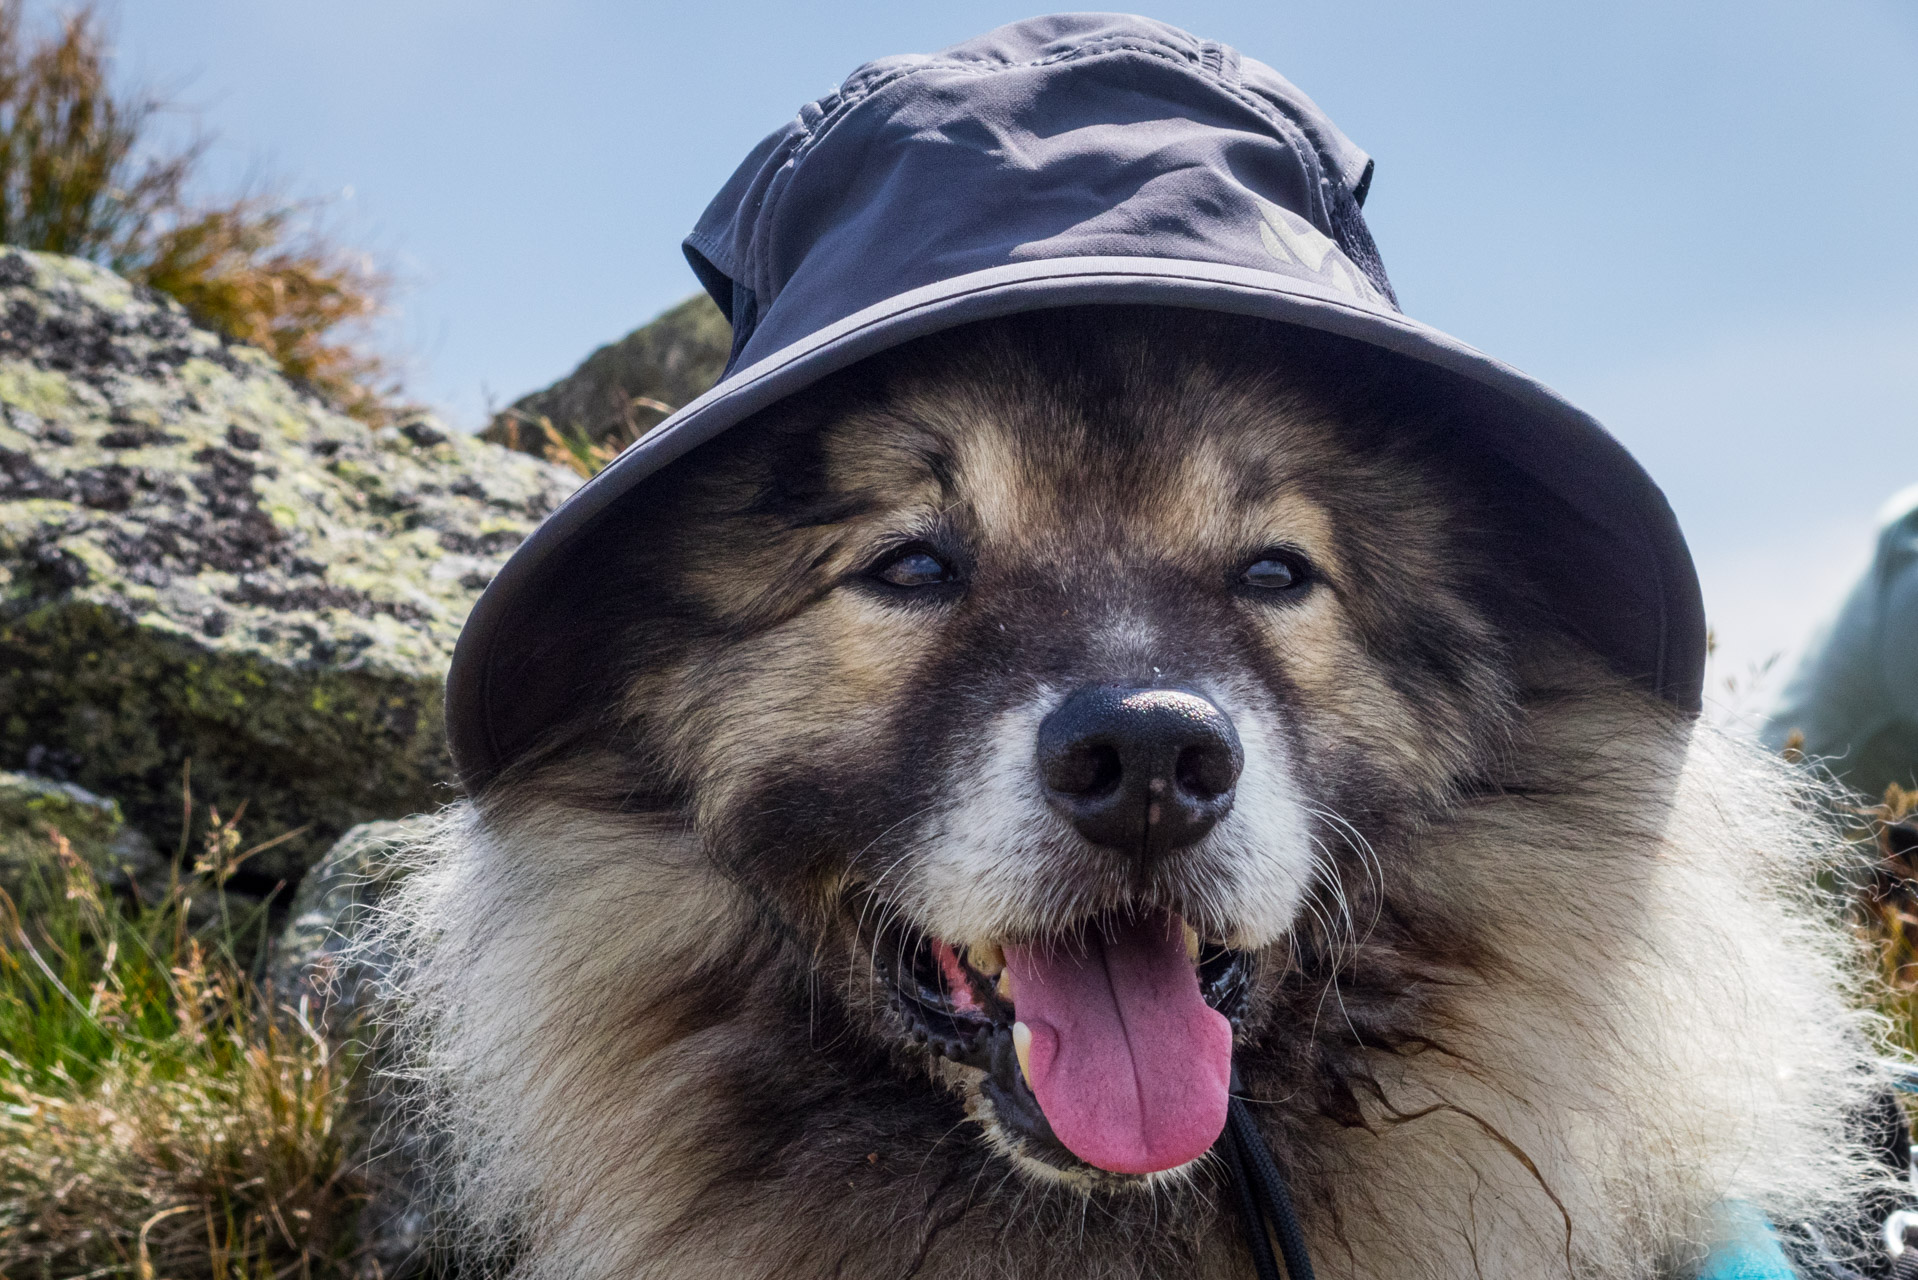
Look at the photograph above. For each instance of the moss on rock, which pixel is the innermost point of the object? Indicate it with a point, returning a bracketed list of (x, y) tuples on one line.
[(322, 959), (32, 807), (201, 560)]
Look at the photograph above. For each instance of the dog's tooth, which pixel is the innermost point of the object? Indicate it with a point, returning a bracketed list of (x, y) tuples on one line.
[(1005, 986), (989, 958), (1192, 944), (1022, 1047)]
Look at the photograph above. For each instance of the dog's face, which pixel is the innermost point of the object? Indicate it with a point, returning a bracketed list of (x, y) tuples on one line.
[(1052, 684)]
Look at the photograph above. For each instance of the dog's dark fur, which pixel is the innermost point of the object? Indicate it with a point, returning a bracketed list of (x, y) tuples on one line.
[(1535, 982)]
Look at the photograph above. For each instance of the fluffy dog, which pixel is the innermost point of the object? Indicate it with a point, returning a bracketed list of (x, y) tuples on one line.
[(1195, 645)]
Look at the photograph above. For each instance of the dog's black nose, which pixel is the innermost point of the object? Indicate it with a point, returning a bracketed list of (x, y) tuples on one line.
[(1139, 769)]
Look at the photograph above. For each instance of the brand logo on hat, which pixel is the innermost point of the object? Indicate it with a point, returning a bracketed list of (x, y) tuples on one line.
[(1296, 242)]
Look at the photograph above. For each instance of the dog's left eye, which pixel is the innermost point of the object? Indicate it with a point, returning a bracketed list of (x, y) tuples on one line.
[(1276, 571), (913, 566)]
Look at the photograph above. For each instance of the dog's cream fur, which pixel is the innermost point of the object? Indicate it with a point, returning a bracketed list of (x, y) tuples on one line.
[(1592, 993), (1654, 1033)]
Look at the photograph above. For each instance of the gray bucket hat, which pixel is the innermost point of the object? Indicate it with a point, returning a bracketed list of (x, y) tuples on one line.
[(1070, 160)]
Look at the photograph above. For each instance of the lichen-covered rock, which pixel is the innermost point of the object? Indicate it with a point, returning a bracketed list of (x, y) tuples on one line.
[(32, 807), (201, 561), (334, 900), (321, 958), (626, 387)]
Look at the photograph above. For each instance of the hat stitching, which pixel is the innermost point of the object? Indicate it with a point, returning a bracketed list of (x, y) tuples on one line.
[(1268, 108), (851, 95), (853, 92)]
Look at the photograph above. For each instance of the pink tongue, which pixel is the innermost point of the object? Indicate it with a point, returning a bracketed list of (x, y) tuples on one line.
[(1129, 1063)]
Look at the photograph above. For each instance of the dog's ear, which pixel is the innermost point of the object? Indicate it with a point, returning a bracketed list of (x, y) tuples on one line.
[(558, 672)]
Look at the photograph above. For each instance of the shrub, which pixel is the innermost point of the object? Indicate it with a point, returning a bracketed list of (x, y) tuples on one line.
[(82, 174), (252, 272)]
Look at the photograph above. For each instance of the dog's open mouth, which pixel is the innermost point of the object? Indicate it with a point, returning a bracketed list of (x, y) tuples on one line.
[(1111, 1045)]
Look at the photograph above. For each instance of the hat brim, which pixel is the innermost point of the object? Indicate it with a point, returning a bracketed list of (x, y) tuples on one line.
[(1656, 635)]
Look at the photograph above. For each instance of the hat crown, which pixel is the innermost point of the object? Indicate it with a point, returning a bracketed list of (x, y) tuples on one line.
[(1072, 135)]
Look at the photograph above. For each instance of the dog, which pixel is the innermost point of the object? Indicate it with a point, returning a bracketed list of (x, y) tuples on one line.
[(1194, 645)]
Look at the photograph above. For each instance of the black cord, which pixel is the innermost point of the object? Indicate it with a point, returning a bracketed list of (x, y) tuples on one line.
[(1264, 1201), (1263, 1263)]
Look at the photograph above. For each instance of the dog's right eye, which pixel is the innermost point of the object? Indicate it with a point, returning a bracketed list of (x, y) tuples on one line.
[(914, 565)]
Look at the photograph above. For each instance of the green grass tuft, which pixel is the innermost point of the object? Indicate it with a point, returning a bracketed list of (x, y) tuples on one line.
[(159, 1117)]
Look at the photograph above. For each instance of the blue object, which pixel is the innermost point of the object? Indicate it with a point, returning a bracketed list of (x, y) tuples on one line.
[(1063, 161), (1746, 1247)]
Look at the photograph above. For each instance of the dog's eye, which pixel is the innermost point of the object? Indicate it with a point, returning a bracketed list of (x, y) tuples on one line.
[(913, 566), (1275, 571)]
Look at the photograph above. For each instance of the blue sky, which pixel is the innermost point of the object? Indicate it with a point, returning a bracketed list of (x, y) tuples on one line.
[(1699, 221)]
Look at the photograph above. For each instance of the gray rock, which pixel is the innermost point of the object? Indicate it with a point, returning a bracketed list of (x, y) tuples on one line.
[(31, 807), (201, 561), (314, 962), (667, 361), (334, 901)]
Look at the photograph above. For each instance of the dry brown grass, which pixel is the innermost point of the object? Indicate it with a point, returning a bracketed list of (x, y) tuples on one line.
[(570, 446), (1889, 906), (83, 173), (262, 274), (159, 1117), (226, 1167)]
